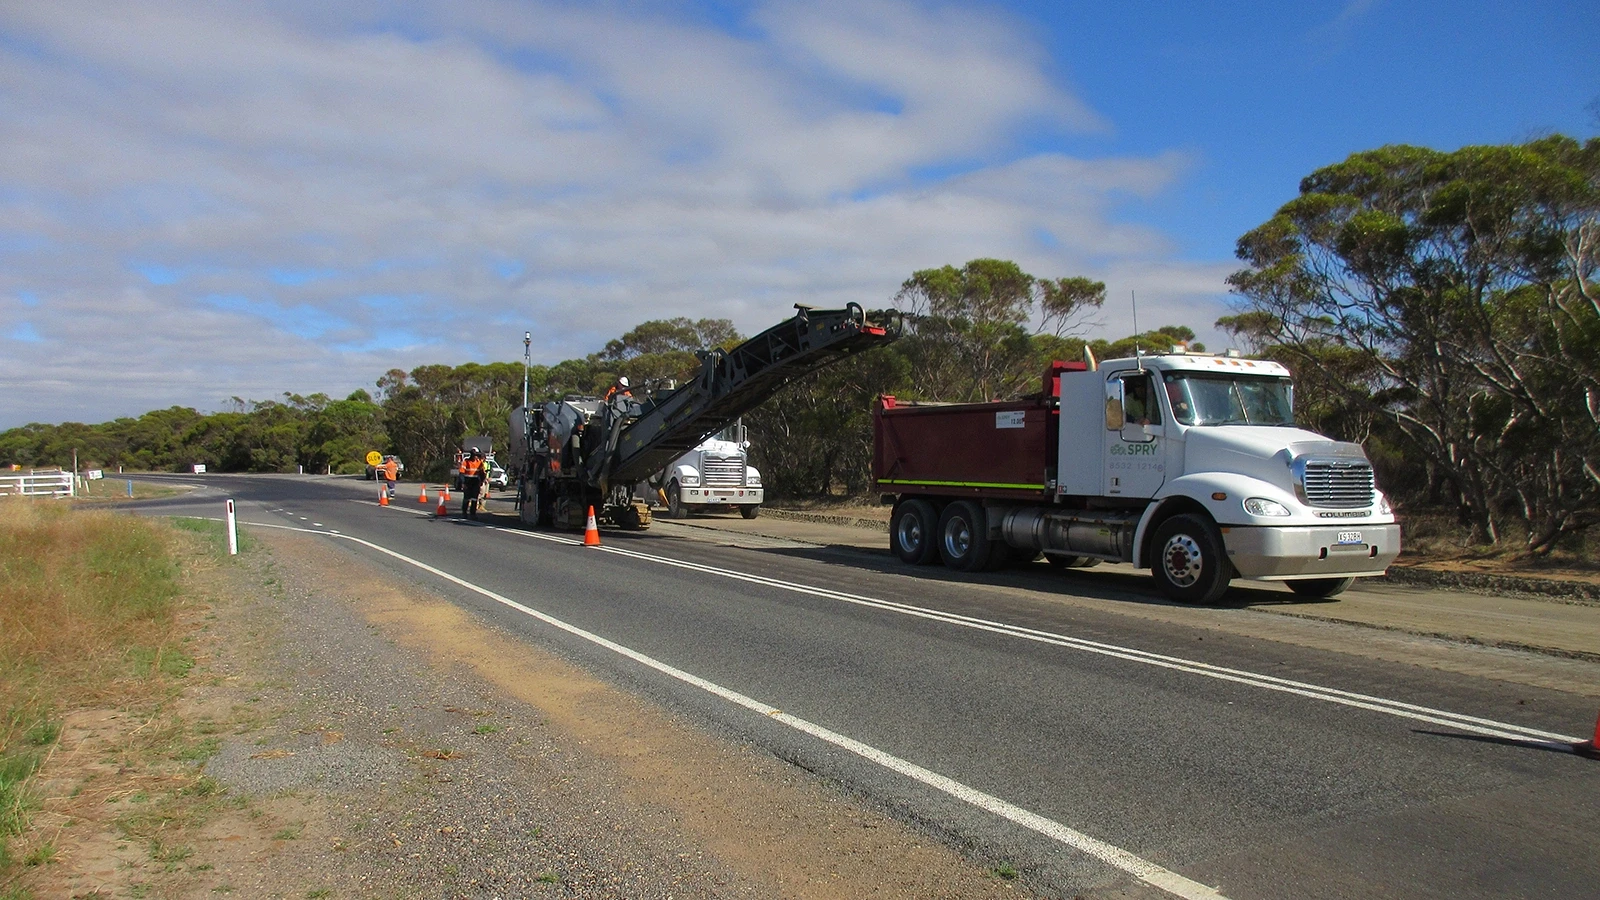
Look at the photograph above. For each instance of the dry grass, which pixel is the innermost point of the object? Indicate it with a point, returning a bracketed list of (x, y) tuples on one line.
[(1435, 538), (88, 605)]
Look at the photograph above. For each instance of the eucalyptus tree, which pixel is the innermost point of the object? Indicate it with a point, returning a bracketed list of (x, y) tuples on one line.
[(1457, 291)]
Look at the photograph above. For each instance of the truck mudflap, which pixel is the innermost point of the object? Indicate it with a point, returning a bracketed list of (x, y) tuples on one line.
[(1319, 551)]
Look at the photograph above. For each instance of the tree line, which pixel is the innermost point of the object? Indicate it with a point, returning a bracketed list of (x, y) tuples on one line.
[(969, 336), (1439, 307)]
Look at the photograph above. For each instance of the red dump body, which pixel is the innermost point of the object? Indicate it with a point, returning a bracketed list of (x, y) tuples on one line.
[(1004, 449)]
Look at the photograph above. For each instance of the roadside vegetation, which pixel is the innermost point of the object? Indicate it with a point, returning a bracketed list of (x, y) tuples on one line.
[(89, 617), (1441, 308)]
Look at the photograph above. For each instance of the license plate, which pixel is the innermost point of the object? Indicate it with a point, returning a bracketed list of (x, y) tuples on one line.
[(1350, 537)]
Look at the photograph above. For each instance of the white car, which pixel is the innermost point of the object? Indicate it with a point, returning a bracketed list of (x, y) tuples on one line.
[(498, 480)]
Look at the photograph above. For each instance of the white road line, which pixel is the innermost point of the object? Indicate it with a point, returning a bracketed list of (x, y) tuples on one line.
[(1114, 856), (393, 506), (1474, 724)]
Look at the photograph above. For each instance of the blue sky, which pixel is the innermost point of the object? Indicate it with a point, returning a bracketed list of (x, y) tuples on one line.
[(1261, 94), (210, 199)]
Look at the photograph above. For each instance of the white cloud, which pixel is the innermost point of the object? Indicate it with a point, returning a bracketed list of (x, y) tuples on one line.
[(204, 200)]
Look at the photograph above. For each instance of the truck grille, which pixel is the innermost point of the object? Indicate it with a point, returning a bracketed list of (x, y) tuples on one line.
[(723, 472), (1338, 484)]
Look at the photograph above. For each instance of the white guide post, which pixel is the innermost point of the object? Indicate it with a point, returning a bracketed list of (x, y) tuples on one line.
[(233, 531)]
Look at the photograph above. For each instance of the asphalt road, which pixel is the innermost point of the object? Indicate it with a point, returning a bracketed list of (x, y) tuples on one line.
[(1103, 755)]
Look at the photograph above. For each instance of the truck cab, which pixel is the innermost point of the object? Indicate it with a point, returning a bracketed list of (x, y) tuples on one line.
[(715, 474), (1213, 439)]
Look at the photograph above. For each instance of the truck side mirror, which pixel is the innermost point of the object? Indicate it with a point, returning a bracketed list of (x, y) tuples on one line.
[(1114, 416)]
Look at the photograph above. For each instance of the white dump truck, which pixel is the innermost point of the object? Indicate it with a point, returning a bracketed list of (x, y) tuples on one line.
[(715, 474), (1189, 465)]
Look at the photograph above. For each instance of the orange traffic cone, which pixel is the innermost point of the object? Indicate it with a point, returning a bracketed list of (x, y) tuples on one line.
[(446, 490), (442, 511), (1591, 747), (424, 497), (383, 496), (591, 531)]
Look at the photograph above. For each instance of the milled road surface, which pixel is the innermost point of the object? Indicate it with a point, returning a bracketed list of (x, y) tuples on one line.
[(1087, 731)]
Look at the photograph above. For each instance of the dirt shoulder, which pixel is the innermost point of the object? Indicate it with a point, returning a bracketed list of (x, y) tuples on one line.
[(346, 734)]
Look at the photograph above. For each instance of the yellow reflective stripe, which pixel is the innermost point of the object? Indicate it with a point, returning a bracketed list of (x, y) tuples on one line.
[(970, 484)]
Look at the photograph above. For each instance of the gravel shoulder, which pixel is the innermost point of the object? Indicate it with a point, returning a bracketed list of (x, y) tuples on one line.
[(348, 734)]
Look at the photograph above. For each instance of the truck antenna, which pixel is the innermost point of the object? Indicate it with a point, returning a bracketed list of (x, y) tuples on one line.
[(527, 351), (1138, 358)]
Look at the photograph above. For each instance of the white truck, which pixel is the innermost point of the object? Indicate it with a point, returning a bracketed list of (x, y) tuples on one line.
[(1189, 465), (714, 474)]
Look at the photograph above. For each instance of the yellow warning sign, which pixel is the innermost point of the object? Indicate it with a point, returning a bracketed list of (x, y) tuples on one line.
[(374, 457)]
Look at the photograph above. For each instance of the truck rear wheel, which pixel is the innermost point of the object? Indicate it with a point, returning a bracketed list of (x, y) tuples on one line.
[(964, 537), (1188, 560), (911, 532), (1072, 562), (1320, 588)]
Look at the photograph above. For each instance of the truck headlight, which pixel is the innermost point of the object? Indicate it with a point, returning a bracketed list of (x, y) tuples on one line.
[(752, 478), (1261, 506), (1384, 509), (689, 480)]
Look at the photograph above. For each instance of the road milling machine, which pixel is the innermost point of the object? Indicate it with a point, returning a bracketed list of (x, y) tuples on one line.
[(568, 455)]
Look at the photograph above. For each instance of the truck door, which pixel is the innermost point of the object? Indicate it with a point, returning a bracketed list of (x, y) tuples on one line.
[(1135, 448)]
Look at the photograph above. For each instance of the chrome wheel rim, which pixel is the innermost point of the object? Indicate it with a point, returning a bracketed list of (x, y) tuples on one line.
[(1182, 560), (910, 533), (958, 539)]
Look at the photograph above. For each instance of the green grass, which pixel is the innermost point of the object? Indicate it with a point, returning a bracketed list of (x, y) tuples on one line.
[(1005, 871), (204, 786), (160, 660), (43, 734), (199, 751), (215, 534), (16, 802), (170, 857), (43, 854)]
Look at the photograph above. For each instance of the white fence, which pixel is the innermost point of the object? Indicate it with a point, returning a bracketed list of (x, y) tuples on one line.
[(37, 484)]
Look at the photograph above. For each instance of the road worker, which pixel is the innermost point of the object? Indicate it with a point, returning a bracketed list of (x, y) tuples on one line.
[(391, 473), (473, 471)]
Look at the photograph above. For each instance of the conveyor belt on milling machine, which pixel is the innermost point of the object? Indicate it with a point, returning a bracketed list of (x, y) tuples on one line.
[(733, 382)]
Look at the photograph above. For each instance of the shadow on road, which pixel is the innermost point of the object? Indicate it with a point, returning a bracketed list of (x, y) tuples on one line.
[(1122, 586)]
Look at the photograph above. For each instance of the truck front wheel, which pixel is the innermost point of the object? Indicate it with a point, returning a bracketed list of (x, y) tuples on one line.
[(1320, 588), (1188, 560), (911, 531), (528, 504), (675, 507), (750, 511), (964, 537)]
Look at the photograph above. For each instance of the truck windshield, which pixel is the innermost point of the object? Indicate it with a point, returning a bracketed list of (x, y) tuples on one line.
[(1205, 399)]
